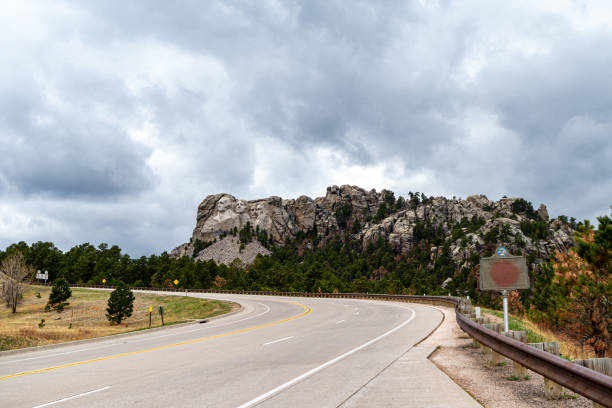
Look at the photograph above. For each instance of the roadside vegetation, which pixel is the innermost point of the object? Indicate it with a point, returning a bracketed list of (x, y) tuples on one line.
[(534, 334), (84, 316), (14, 271), (569, 347), (572, 298), (571, 291), (120, 304)]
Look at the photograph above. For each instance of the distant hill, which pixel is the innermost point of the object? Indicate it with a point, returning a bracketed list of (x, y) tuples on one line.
[(459, 228)]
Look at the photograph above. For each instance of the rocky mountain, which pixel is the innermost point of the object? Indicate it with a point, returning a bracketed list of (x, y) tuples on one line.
[(461, 226), (221, 214)]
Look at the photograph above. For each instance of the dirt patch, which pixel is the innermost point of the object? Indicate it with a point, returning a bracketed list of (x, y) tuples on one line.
[(488, 383)]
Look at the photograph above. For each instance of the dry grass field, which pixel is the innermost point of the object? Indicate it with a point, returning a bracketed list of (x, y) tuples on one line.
[(84, 316)]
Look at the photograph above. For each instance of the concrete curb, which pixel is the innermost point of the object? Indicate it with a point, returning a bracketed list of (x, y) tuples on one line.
[(119, 335)]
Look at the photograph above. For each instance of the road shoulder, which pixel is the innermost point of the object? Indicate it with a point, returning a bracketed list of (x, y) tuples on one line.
[(414, 381), (469, 367)]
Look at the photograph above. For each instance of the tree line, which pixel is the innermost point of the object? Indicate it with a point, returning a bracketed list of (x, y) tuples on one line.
[(572, 291)]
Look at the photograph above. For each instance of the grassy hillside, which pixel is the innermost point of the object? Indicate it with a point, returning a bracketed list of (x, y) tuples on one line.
[(84, 316)]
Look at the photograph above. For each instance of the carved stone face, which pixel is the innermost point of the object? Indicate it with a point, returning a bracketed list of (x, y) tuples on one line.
[(224, 204), (241, 207)]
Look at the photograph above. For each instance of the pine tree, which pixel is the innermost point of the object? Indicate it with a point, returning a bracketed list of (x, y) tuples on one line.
[(593, 288), (60, 292), (120, 304)]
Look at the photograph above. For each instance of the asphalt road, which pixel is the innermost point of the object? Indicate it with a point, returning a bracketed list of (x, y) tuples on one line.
[(276, 352)]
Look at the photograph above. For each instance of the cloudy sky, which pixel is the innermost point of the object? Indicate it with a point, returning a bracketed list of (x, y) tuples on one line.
[(117, 118)]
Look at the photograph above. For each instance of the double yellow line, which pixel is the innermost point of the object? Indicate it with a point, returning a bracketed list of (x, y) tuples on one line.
[(78, 363)]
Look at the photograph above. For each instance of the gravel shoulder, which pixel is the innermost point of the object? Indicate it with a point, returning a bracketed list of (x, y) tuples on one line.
[(488, 384)]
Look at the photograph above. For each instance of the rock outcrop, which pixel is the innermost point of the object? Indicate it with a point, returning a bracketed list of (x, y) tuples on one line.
[(467, 226), (283, 219), (471, 221)]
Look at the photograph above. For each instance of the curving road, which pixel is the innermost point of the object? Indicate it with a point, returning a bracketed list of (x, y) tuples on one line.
[(276, 352)]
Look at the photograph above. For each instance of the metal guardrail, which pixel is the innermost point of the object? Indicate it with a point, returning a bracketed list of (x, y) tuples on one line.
[(593, 385)]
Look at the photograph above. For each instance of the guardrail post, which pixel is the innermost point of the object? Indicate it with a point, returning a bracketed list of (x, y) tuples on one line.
[(552, 389), (601, 365), (497, 359), (480, 320), (518, 370), (497, 327)]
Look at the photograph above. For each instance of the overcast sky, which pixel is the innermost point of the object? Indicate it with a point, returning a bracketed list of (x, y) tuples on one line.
[(117, 118)]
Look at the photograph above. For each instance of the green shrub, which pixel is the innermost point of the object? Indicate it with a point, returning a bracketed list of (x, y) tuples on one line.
[(120, 304), (60, 292)]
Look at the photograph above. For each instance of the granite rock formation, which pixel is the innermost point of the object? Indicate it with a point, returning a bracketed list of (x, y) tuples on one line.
[(350, 209)]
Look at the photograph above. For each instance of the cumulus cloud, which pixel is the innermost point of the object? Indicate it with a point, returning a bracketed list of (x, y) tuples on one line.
[(116, 119)]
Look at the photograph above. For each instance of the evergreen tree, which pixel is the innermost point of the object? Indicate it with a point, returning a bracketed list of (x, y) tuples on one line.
[(60, 292), (594, 287), (120, 304), (547, 296)]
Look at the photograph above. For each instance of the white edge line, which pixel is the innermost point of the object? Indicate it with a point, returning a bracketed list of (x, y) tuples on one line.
[(340, 321), (315, 370), (56, 354), (139, 340), (278, 341), (73, 397)]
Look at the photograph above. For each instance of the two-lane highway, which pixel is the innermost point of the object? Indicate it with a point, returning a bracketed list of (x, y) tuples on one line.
[(276, 352)]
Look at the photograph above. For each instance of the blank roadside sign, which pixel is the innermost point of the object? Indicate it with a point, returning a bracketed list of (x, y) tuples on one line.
[(503, 272)]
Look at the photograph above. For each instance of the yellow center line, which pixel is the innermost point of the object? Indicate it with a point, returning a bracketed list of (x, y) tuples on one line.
[(42, 370)]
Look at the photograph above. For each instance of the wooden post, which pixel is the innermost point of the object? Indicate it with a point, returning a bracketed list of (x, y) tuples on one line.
[(497, 327), (497, 358), (601, 365), (485, 349), (552, 389), (518, 370), (465, 306)]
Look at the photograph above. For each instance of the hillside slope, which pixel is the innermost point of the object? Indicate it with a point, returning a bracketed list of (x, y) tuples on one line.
[(458, 228)]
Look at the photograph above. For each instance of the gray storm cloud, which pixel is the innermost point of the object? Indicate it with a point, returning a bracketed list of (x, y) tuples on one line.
[(117, 118)]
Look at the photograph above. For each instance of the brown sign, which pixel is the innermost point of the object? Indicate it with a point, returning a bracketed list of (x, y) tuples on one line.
[(505, 272)]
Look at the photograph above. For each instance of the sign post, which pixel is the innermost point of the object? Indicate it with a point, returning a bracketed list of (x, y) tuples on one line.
[(150, 313), (503, 272), (161, 313), (505, 303)]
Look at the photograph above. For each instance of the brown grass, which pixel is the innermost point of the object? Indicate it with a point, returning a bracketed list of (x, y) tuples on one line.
[(84, 316), (568, 347)]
